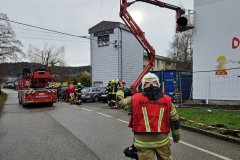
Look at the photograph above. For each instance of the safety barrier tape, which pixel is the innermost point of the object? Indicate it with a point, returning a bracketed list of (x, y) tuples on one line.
[(210, 127)]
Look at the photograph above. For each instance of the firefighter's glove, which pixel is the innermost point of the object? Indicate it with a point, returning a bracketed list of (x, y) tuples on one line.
[(131, 152)]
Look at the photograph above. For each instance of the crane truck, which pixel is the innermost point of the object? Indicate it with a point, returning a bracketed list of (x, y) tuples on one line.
[(181, 25), (33, 87)]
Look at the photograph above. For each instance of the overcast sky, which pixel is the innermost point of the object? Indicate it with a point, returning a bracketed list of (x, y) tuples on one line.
[(77, 16)]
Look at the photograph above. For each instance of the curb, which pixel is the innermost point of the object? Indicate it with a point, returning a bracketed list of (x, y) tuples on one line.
[(211, 134)]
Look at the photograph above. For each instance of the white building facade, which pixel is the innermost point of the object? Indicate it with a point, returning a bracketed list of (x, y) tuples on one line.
[(216, 50), (115, 53)]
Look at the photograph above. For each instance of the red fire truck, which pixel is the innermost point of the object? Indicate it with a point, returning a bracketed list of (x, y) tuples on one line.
[(33, 87)]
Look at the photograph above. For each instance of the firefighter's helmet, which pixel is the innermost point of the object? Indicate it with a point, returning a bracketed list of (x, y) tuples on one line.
[(150, 79)]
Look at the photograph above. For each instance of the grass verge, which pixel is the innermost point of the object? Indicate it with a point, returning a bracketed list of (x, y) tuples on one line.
[(217, 118), (3, 98)]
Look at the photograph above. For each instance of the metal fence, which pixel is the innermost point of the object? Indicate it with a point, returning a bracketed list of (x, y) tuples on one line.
[(202, 86), (217, 85)]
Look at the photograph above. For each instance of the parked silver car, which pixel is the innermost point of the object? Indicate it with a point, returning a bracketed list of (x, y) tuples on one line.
[(91, 94)]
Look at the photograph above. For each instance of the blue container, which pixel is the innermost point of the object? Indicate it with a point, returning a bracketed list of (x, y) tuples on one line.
[(169, 86), (169, 74), (159, 74), (176, 82)]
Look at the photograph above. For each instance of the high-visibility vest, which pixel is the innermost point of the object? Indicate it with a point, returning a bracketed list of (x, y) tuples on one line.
[(149, 115)]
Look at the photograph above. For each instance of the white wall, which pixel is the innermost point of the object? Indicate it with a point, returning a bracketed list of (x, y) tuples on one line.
[(217, 22), (104, 60), (122, 62), (132, 58)]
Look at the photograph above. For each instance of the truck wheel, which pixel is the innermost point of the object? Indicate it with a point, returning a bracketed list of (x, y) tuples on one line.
[(23, 105), (50, 104), (19, 101)]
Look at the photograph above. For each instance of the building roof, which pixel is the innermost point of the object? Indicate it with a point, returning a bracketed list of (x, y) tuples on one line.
[(107, 25), (161, 57)]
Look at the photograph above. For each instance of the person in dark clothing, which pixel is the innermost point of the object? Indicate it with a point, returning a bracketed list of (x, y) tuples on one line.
[(109, 92), (114, 92), (79, 93), (59, 92)]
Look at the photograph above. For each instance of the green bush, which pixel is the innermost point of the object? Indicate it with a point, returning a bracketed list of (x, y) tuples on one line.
[(83, 77)]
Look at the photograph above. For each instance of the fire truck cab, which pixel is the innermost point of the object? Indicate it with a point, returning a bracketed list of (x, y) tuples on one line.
[(33, 87)]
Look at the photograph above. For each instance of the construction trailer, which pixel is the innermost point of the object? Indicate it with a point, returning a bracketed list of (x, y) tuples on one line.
[(115, 53)]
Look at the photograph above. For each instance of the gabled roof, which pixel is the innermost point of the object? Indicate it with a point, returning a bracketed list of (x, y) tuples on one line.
[(107, 25)]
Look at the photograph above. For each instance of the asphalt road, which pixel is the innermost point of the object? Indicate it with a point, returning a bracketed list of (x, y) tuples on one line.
[(87, 132)]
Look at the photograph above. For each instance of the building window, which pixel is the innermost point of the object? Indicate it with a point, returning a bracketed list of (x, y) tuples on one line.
[(103, 40)]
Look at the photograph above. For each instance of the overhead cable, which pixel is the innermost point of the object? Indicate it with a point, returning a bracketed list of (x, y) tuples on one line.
[(50, 30)]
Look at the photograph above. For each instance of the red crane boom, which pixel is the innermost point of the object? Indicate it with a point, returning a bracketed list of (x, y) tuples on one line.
[(138, 33)]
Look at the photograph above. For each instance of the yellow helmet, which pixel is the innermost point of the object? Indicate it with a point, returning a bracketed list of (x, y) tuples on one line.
[(79, 84), (113, 81)]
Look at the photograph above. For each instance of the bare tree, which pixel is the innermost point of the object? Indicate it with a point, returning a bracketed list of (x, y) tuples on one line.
[(181, 50), (48, 56), (9, 45)]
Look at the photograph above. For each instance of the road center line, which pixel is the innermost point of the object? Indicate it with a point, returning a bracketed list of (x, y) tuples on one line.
[(122, 121), (204, 150), (103, 114), (86, 109)]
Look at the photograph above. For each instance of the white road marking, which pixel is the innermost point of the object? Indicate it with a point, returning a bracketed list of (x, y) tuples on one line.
[(74, 106), (204, 150), (122, 121), (103, 114), (86, 109)]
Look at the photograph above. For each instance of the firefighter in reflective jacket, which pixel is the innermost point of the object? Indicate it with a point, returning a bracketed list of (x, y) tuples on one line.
[(153, 116), (78, 93), (113, 93), (120, 86), (109, 92)]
